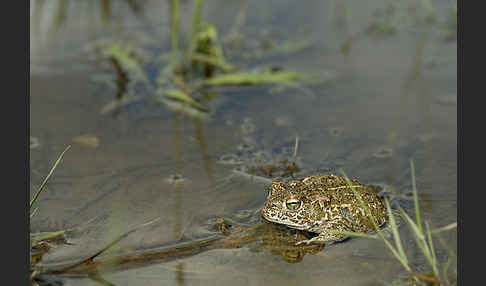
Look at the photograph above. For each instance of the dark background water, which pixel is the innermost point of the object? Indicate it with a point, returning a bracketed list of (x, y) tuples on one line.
[(392, 98)]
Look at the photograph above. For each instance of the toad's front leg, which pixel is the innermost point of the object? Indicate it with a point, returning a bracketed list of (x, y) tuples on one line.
[(323, 237)]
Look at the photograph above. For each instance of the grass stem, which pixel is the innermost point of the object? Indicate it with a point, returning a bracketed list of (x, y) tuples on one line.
[(175, 33), (36, 195), (415, 197)]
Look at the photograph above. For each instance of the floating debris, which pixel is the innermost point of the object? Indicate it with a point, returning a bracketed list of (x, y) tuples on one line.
[(230, 159), (34, 142), (175, 179), (336, 131), (87, 140), (384, 152)]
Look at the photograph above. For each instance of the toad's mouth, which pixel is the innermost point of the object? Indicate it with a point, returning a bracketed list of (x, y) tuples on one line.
[(284, 221)]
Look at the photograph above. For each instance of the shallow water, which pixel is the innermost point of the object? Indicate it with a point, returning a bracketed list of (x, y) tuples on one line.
[(391, 99)]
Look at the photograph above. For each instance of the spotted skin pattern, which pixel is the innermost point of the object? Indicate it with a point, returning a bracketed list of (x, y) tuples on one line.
[(323, 204)]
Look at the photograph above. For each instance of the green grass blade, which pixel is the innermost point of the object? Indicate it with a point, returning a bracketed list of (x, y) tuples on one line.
[(32, 213), (403, 259), (36, 195), (181, 96), (127, 61), (415, 197), (444, 228), (422, 243), (396, 235), (177, 105), (215, 61), (45, 236), (413, 226), (451, 257), (432, 250), (245, 78), (360, 200)]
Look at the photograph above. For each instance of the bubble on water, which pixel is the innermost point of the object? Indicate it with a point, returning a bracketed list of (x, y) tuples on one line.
[(34, 142)]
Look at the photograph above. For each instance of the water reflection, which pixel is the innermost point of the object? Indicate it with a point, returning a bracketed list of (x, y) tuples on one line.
[(178, 205), (207, 160), (229, 234), (177, 190)]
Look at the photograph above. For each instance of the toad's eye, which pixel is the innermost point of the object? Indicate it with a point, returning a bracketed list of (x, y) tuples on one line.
[(293, 204)]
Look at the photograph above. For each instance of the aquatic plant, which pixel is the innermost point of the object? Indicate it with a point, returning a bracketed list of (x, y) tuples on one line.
[(186, 84), (423, 239)]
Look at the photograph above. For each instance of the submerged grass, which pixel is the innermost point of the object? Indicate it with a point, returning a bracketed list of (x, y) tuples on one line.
[(186, 84), (126, 60), (423, 239), (46, 179), (205, 54)]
